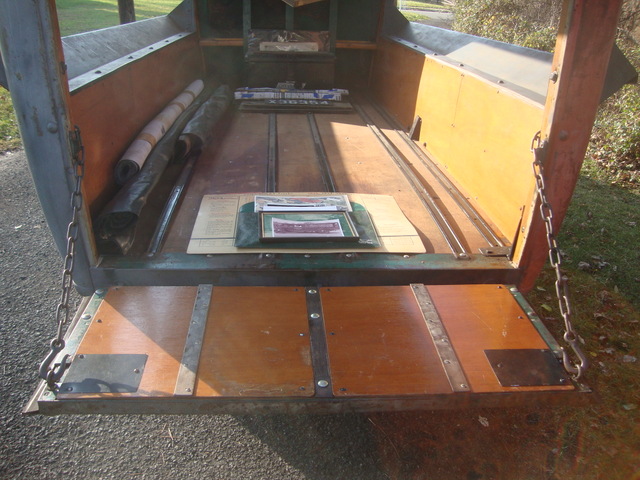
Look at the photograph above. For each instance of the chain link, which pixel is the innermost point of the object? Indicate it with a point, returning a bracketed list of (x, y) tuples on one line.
[(555, 258), (53, 374)]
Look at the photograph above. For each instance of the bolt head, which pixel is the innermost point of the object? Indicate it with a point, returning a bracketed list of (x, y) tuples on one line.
[(323, 383)]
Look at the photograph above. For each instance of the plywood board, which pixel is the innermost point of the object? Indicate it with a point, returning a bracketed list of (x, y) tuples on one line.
[(144, 320), (485, 317), (256, 344), (379, 343)]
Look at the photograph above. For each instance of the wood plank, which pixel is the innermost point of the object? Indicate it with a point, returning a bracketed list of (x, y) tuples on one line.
[(482, 317), (256, 344), (298, 166), (360, 164), (237, 42), (236, 163), (473, 149), (144, 320), (452, 212), (379, 343), (586, 37)]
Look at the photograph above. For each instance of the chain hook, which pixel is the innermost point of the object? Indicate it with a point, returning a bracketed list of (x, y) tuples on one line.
[(575, 369), (49, 371), (53, 374)]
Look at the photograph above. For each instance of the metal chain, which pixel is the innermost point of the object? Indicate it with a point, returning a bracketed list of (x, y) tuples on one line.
[(53, 374), (555, 258)]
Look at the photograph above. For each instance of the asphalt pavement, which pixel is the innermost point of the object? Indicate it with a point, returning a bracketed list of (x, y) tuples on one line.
[(469, 444)]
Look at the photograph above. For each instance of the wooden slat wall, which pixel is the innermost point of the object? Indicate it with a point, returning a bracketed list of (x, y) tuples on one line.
[(111, 112), (479, 132)]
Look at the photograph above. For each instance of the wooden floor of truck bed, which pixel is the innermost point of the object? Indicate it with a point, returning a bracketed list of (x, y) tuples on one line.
[(358, 160), (363, 152)]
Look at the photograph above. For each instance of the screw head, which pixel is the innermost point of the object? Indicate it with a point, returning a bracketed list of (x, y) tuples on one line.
[(315, 315), (323, 383), (312, 291)]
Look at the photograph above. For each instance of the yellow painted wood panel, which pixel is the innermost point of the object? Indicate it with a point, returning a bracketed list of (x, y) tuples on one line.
[(396, 73), (477, 130), (486, 145)]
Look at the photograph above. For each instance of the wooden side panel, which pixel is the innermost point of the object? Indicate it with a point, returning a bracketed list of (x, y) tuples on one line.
[(396, 79), (379, 343), (110, 113), (484, 317), (583, 48), (478, 131), (256, 344), (144, 320), (489, 145)]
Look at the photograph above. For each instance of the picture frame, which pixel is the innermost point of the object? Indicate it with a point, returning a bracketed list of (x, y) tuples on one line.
[(307, 227)]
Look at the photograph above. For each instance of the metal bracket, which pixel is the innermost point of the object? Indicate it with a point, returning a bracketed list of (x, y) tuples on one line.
[(186, 382), (319, 348), (526, 367), (496, 251), (445, 350), (104, 373)]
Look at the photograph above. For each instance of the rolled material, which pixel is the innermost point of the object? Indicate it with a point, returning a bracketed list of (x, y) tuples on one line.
[(116, 225), (199, 130), (138, 152)]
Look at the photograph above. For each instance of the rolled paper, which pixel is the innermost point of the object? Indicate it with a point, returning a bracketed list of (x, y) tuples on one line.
[(135, 156)]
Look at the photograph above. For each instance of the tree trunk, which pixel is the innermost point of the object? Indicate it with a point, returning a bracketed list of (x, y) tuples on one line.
[(127, 11)]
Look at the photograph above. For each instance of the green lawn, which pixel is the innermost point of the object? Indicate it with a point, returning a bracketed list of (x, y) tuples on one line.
[(422, 5), (77, 16)]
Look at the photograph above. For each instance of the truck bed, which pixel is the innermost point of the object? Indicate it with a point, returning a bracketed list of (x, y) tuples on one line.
[(357, 158)]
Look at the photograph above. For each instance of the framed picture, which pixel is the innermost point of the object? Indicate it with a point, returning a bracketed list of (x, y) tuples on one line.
[(307, 227)]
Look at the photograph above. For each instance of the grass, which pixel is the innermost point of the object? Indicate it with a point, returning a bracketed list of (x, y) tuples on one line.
[(423, 6), (415, 17), (9, 133), (78, 16)]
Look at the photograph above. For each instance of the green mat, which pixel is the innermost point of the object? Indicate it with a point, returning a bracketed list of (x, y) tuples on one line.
[(248, 232)]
